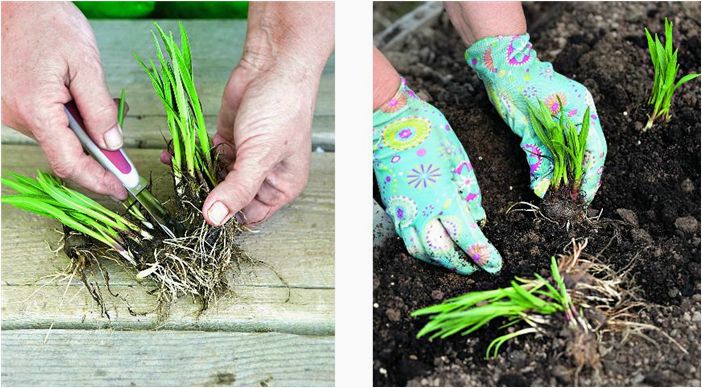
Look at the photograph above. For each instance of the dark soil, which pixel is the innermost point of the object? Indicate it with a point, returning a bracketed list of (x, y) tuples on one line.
[(650, 202)]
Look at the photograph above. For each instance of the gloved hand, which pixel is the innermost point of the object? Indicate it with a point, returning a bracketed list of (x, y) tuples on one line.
[(513, 75), (428, 186)]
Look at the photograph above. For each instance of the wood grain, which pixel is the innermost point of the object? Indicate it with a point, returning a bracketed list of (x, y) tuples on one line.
[(165, 358), (298, 242), (216, 48), (261, 334)]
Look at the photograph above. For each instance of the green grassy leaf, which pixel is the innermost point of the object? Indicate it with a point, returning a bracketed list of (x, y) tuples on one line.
[(665, 65), (120, 109)]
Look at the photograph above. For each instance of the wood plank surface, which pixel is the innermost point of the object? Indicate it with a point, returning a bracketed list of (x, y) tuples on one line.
[(216, 48), (164, 358), (298, 242), (150, 131)]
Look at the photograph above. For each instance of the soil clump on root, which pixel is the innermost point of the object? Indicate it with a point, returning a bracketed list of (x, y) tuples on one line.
[(560, 207), (650, 202)]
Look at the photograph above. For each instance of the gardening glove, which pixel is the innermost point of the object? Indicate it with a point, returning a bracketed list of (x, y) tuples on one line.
[(513, 76), (428, 186)]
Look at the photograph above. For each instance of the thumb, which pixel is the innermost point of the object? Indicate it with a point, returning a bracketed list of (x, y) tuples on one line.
[(96, 106), (236, 191)]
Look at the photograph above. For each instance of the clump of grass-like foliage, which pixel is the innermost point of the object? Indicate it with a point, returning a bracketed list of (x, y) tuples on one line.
[(565, 142), (193, 161), (47, 196), (587, 297), (665, 69)]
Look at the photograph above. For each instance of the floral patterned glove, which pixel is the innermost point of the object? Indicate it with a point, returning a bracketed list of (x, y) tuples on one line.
[(428, 186), (513, 75)]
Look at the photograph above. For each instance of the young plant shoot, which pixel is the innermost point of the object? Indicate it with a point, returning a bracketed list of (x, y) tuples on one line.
[(526, 301), (565, 143), (665, 69), (192, 162), (47, 196), (580, 290)]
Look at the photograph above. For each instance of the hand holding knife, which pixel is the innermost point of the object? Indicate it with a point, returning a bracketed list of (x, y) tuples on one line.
[(118, 163)]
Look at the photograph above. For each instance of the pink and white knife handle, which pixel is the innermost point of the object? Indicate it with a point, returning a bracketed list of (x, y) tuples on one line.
[(116, 162)]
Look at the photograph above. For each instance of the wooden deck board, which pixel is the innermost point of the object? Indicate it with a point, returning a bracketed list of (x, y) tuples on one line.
[(149, 132), (166, 358), (298, 242), (262, 333)]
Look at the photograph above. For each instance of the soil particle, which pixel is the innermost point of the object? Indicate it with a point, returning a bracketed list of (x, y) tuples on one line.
[(437, 295), (687, 224), (687, 186), (628, 216), (393, 314), (654, 175)]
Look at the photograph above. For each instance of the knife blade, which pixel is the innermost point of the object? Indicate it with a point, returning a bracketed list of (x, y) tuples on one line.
[(118, 163)]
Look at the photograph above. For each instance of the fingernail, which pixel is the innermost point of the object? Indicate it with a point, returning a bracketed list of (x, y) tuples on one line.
[(217, 213), (113, 138)]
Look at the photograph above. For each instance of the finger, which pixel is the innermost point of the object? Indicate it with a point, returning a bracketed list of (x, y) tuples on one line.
[(67, 159), (236, 191), (463, 174), (224, 148), (540, 165), (441, 248), (166, 157), (403, 211), (467, 183), (96, 106), (414, 245), (464, 231), (257, 212), (595, 154)]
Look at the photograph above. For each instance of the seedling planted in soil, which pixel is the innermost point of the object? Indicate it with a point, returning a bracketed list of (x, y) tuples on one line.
[(567, 146), (665, 68), (583, 295)]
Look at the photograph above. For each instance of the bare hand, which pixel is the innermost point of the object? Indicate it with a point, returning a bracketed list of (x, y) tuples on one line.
[(264, 126), (49, 57)]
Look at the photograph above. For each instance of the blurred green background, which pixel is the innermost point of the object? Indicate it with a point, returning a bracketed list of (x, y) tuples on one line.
[(164, 9)]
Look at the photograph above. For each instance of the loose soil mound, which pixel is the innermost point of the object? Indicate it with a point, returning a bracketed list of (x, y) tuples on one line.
[(650, 198)]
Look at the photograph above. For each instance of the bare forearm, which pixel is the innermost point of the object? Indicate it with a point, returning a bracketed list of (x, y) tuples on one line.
[(386, 80), (298, 35), (477, 20)]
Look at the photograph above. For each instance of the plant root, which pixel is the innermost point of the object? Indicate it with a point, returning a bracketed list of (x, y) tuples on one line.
[(607, 304), (198, 263)]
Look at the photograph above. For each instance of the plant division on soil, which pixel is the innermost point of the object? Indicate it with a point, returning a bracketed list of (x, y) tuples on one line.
[(650, 203)]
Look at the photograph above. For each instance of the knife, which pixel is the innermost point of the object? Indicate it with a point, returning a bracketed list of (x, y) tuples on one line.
[(118, 163)]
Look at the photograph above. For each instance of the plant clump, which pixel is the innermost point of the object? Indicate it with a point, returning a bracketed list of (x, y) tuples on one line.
[(197, 260), (665, 69), (567, 144), (582, 295)]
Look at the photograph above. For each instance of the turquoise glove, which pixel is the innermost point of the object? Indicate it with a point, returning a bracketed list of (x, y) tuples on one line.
[(512, 76), (428, 186)]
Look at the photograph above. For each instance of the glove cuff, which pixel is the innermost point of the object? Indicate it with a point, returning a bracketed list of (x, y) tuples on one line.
[(495, 56), (396, 105)]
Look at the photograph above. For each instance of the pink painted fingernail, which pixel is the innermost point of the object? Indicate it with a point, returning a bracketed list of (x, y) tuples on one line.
[(217, 213), (113, 138)]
